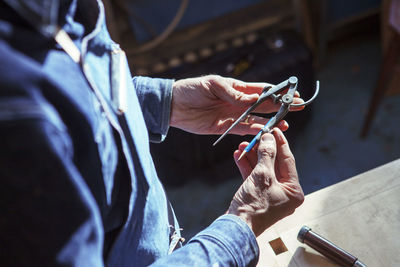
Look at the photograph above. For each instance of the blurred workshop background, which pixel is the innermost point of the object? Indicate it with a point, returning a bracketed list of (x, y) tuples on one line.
[(352, 47)]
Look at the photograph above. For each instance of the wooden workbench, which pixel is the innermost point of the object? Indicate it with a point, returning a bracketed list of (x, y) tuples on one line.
[(360, 215)]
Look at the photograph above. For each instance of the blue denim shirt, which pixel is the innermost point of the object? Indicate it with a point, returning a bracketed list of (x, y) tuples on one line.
[(78, 184)]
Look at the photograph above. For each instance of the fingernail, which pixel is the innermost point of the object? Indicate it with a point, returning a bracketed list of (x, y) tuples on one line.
[(282, 124), (267, 136)]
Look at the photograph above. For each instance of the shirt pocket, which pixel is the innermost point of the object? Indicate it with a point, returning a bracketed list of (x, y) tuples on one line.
[(17, 111)]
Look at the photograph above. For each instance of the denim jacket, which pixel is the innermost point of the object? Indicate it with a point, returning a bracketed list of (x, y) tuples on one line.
[(78, 184)]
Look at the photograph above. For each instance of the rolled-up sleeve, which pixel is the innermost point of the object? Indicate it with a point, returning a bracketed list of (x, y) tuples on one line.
[(155, 96), (228, 241)]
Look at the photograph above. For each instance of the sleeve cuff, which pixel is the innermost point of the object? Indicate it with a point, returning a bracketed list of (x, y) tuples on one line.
[(155, 97), (235, 236)]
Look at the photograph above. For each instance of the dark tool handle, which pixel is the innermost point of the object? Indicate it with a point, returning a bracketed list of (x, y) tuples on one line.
[(325, 247)]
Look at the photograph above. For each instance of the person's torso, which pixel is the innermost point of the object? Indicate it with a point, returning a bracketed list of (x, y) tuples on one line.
[(111, 150)]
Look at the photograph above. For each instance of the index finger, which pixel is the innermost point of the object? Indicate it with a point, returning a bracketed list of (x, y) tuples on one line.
[(254, 87), (249, 87), (267, 151)]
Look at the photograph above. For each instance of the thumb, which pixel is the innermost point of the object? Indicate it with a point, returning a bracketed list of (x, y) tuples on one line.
[(267, 151)]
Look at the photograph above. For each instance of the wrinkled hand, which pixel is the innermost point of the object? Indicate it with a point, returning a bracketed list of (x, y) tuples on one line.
[(210, 104), (271, 189)]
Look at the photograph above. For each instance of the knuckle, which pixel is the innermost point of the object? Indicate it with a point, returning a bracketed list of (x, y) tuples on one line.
[(214, 78), (238, 95), (267, 151), (258, 172), (224, 125), (205, 83), (301, 199), (298, 197), (261, 175)]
